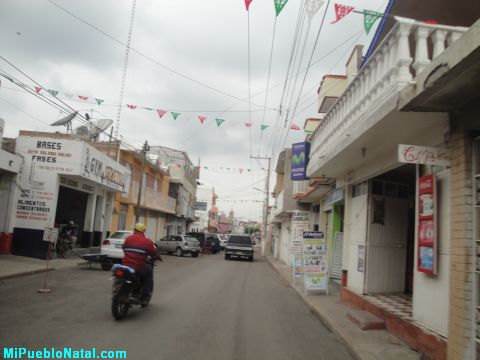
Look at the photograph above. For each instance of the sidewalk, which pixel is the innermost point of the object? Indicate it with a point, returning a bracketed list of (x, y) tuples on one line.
[(12, 266), (362, 344)]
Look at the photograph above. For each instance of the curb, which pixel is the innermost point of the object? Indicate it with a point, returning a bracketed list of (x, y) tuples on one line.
[(25, 273), (318, 315)]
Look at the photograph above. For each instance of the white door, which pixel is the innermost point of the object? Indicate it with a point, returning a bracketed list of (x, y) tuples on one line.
[(151, 228), (387, 245)]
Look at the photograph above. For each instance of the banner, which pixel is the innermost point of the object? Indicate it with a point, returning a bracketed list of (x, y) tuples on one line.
[(425, 155), (175, 115), (427, 234), (300, 153), (314, 261), (202, 119), (312, 6), (219, 122)]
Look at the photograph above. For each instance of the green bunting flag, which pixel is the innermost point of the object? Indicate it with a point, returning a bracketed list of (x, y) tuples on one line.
[(264, 127), (219, 122), (279, 5), (52, 92), (369, 18), (99, 101), (175, 115)]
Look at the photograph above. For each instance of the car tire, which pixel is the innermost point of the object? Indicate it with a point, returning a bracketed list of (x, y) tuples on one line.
[(169, 252), (250, 259), (179, 252), (194, 255), (227, 257), (107, 265)]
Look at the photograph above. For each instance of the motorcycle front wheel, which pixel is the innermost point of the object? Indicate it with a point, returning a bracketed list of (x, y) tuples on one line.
[(119, 307)]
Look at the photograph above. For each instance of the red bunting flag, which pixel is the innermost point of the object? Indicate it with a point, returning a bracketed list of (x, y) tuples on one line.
[(202, 119), (38, 89), (161, 113), (341, 11), (133, 107), (83, 97), (295, 127), (247, 3), (248, 124), (241, 170)]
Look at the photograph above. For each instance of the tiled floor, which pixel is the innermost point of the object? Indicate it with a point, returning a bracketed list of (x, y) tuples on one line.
[(397, 304)]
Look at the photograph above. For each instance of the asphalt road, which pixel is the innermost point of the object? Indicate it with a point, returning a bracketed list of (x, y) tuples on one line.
[(204, 308)]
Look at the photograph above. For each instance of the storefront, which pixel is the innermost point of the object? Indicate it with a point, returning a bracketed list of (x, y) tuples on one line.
[(63, 180), (9, 167)]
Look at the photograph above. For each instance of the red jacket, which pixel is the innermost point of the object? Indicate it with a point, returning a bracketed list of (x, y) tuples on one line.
[(136, 248)]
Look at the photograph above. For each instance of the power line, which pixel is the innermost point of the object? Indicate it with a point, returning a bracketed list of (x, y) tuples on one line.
[(138, 52)]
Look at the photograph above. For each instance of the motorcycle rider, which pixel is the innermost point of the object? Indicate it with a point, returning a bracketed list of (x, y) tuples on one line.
[(69, 231), (137, 248)]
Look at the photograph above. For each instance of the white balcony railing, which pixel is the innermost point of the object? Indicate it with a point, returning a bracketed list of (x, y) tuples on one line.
[(406, 50), (279, 203)]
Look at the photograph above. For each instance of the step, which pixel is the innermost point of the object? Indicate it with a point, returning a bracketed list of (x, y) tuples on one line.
[(365, 320)]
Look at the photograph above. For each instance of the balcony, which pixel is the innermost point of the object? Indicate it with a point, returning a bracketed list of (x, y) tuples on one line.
[(366, 116)]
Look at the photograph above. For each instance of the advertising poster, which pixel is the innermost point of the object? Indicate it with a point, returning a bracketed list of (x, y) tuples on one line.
[(361, 258), (299, 226), (300, 153), (297, 265), (314, 261), (427, 242)]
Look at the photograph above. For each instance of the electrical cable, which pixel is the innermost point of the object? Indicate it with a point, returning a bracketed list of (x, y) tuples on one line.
[(138, 52)]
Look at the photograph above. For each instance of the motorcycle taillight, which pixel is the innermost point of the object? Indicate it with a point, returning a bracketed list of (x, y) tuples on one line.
[(106, 242), (118, 273)]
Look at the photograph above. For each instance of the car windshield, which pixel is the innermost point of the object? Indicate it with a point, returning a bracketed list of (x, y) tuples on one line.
[(244, 240), (120, 235)]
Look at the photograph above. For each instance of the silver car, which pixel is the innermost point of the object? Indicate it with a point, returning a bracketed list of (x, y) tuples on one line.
[(179, 244)]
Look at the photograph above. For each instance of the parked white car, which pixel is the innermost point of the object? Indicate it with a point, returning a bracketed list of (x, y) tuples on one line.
[(223, 240), (112, 246), (180, 245)]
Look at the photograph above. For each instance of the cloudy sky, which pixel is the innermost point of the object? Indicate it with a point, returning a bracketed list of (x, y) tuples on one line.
[(187, 56)]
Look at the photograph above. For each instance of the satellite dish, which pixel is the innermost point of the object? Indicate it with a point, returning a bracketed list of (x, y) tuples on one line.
[(65, 120), (99, 126)]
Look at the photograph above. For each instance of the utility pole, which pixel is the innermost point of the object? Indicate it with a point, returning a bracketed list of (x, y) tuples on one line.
[(145, 149), (265, 245)]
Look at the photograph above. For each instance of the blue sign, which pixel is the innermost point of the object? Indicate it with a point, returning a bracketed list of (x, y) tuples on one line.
[(300, 153)]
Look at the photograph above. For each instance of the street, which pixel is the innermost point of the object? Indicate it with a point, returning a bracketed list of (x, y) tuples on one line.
[(203, 308)]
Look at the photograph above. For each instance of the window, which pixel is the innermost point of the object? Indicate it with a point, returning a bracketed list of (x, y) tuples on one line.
[(122, 216)]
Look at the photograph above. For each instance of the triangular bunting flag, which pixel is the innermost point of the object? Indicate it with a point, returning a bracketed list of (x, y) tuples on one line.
[(369, 18), (161, 113), (205, 167), (202, 119), (219, 122), (249, 170), (52, 92), (248, 124), (241, 170), (38, 89), (133, 107), (247, 3), (175, 115), (341, 11), (150, 109), (99, 101), (68, 95), (294, 127), (264, 127), (312, 7), (279, 5), (85, 98)]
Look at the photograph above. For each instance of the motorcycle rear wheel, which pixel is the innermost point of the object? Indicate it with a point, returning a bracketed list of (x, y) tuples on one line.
[(119, 307)]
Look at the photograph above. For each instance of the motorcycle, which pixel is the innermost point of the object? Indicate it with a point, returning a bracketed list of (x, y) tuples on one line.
[(127, 290), (65, 244)]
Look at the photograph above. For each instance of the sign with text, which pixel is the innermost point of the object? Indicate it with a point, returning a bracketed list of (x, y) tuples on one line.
[(413, 154), (201, 205), (300, 153), (427, 239), (314, 261), (299, 226)]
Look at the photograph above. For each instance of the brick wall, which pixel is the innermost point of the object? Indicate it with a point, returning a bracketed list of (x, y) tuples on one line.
[(461, 251)]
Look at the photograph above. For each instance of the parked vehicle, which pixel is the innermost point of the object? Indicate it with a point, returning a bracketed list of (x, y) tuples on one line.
[(239, 246), (127, 290), (223, 240), (180, 245), (112, 246), (207, 241)]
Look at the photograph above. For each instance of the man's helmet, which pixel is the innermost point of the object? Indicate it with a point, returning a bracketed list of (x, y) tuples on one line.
[(139, 227), (71, 222)]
